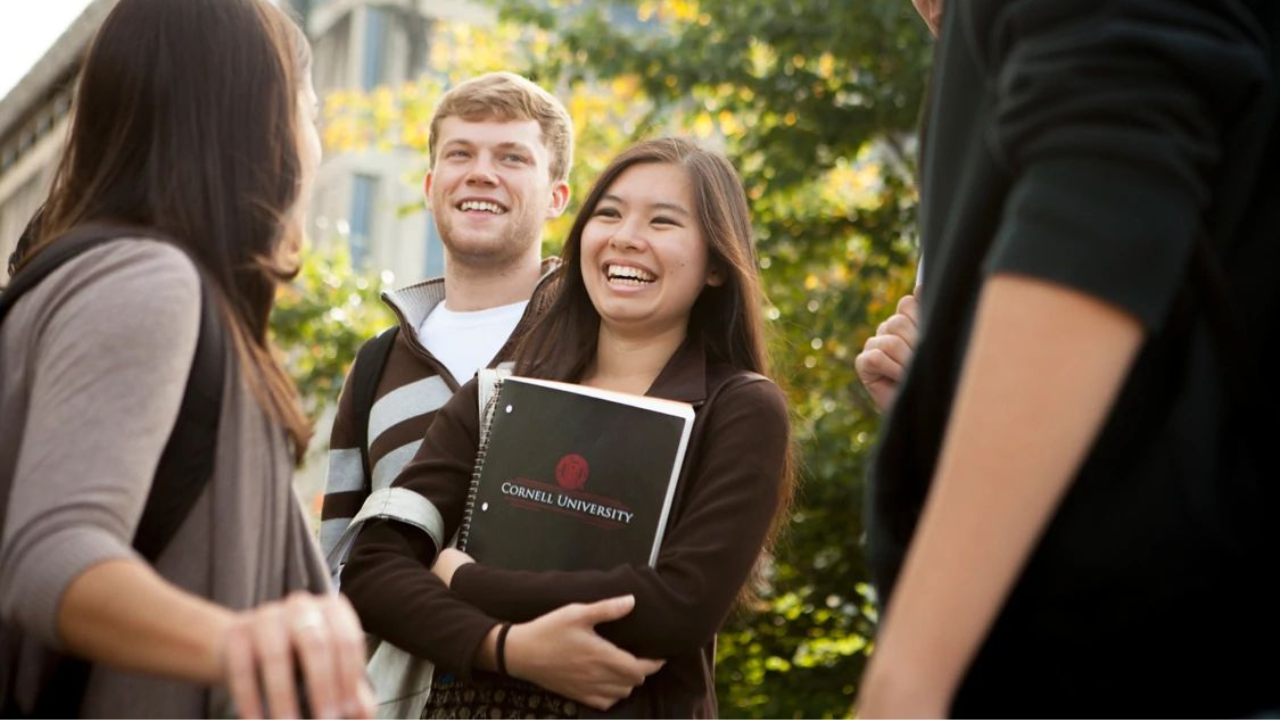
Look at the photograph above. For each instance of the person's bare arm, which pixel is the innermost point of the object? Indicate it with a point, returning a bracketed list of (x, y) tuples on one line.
[(1044, 366), (121, 613)]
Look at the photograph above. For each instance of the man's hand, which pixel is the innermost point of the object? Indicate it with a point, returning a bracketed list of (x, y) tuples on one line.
[(883, 360), (562, 652), (931, 11)]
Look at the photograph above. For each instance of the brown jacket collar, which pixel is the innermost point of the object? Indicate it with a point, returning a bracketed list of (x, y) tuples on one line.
[(684, 377)]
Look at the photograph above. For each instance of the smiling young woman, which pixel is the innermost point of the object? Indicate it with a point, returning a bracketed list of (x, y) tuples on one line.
[(644, 264)]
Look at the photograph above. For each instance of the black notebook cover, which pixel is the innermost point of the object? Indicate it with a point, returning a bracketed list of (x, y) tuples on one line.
[(574, 478)]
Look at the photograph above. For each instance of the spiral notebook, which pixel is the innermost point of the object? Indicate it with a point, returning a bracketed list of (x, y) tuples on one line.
[(574, 478)]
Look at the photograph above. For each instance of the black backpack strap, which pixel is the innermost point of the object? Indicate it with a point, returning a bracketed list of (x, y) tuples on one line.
[(369, 363), (186, 465)]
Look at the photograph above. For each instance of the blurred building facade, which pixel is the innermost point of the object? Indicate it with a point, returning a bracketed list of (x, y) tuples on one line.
[(369, 201), (33, 124)]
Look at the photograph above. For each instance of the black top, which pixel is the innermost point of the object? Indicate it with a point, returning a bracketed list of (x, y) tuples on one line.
[(1091, 143)]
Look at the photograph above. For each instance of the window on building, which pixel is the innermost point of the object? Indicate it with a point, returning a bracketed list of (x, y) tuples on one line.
[(374, 60), (364, 190)]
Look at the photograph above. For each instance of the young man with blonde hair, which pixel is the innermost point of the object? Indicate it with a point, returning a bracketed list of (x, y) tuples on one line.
[(500, 148)]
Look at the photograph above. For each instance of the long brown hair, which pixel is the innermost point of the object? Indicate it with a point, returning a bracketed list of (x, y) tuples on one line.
[(727, 319), (186, 121)]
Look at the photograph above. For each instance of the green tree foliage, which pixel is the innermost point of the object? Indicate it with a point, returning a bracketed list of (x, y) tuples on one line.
[(321, 319)]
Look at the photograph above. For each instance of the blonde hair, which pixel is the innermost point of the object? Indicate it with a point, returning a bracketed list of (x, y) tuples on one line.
[(507, 97)]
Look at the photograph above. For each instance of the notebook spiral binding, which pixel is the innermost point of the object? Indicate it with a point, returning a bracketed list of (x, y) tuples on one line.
[(486, 424)]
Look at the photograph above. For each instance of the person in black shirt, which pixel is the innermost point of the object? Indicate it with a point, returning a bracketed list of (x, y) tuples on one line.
[(1071, 508)]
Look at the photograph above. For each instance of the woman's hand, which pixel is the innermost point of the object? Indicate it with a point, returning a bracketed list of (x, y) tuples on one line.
[(323, 633), (562, 652), (448, 563)]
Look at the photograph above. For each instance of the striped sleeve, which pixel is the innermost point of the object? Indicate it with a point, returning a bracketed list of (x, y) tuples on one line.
[(345, 487), (409, 393)]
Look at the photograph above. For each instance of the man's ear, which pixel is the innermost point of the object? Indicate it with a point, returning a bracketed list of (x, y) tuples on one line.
[(426, 186), (559, 200)]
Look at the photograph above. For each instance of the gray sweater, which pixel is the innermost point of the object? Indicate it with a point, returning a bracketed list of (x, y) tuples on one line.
[(95, 362)]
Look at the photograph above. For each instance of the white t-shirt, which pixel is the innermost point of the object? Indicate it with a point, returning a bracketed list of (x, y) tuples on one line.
[(467, 341)]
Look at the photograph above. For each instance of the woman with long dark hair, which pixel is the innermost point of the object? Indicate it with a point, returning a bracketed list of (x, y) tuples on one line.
[(193, 144), (660, 295)]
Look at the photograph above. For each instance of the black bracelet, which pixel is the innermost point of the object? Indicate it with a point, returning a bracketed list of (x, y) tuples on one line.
[(502, 648)]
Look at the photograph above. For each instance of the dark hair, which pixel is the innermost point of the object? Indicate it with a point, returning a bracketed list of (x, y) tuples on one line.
[(186, 121), (30, 234), (726, 318)]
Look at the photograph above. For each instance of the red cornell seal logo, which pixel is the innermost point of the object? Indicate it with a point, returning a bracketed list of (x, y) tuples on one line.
[(571, 472)]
